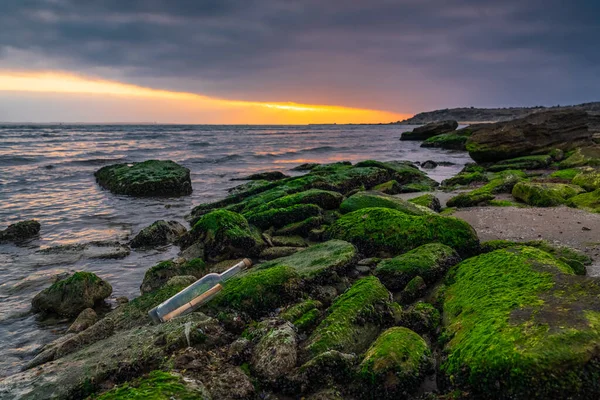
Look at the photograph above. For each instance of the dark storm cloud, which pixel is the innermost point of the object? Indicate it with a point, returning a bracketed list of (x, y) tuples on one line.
[(377, 53)]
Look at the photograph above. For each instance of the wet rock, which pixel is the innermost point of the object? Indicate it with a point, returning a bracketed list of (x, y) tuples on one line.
[(301, 228), (325, 369), (303, 315), (160, 233), (160, 385), (520, 163), (389, 187), (72, 253), (429, 201), (377, 199), (414, 289), (181, 280), (159, 275), (271, 253), (84, 320), (429, 164), (275, 353), (396, 363), (20, 231), (266, 176), (305, 167), (449, 141), (430, 130), (545, 194), (584, 156), (288, 241), (537, 133), (422, 318), (279, 217), (325, 199), (72, 295), (148, 178)]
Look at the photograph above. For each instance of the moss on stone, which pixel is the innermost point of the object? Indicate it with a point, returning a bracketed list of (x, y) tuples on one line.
[(258, 291), (318, 261), (297, 310), (362, 200), (501, 182), (450, 141), (427, 200), (325, 199), (278, 217), (588, 156), (148, 178), (576, 259), (396, 363), (157, 385), (389, 187), (587, 201), (430, 261), (158, 275), (353, 320), (422, 318), (520, 325), (566, 174), (544, 194), (20, 231), (589, 180), (301, 228), (466, 178), (527, 162), (383, 230), (414, 289)]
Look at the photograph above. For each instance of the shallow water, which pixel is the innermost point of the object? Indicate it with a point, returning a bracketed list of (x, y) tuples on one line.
[(46, 173)]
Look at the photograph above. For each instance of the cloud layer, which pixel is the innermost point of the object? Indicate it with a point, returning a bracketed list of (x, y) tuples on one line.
[(404, 55)]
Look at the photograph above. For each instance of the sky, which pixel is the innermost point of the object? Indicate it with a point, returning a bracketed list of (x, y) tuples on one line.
[(301, 61)]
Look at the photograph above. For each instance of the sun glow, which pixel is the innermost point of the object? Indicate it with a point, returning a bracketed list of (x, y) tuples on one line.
[(232, 111)]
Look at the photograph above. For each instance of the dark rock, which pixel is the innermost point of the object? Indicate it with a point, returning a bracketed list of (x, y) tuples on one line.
[(148, 178), (430, 130), (160, 233), (275, 353), (20, 231), (71, 253), (271, 253), (429, 164), (158, 275), (429, 201), (265, 176), (537, 133), (85, 319), (305, 167), (72, 295)]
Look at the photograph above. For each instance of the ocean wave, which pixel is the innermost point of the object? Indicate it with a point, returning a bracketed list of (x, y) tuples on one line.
[(318, 150), (220, 160), (18, 160), (199, 144), (97, 161)]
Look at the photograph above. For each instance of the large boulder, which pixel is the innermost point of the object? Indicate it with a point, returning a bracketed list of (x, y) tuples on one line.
[(72, 295), (396, 364), (276, 353), (520, 325), (160, 233), (385, 231), (377, 199), (430, 130), (148, 178), (20, 231), (587, 201), (354, 320), (537, 133), (581, 157), (540, 194), (589, 180)]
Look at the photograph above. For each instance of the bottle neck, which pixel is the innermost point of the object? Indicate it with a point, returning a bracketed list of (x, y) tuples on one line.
[(231, 272)]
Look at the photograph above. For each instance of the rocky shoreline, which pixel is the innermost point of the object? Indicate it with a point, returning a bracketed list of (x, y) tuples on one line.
[(357, 291)]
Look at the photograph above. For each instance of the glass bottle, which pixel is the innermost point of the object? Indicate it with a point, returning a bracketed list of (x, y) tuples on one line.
[(195, 295)]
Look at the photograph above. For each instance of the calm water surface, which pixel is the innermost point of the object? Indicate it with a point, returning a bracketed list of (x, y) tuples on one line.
[(46, 173)]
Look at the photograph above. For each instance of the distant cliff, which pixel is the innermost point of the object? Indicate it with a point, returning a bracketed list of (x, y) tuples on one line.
[(472, 114)]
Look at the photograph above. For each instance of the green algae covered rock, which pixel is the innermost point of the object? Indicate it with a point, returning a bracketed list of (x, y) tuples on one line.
[(587, 201), (396, 363), (405, 173), (589, 180), (325, 199), (586, 156), (466, 178), (148, 178), (386, 231), (540, 194), (318, 261), (226, 235), (501, 182), (429, 130), (160, 274), (259, 291), (566, 174), (278, 217), (72, 295), (389, 187), (275, 353), (20, 231), (527, 162), (422, 318), (160, 233), (303, 315), (429, 201), (449, 141), (414, 289), (354, 320), (520, 325), (574, 258), (157, 385), (377, 199), (430, 261)]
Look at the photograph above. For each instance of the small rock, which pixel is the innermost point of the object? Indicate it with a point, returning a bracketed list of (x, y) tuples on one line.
[(275, 354), (429, 164), (20, 231), (122, 300), (363, 269), (160, 233), (84, 320), (585, 228)]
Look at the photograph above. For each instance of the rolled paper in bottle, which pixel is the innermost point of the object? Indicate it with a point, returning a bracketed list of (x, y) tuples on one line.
[(203, 298)]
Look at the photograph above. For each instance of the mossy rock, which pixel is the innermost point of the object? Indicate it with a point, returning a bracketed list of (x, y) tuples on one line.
[(449, 141), (429, 201), (325, 199), (301, 228), (527, 162), (303, 315), (72, 295), (157, 385), (539, 194), (520, 325), (501, 182), (470, 199), (422, 318), (389, 187), (369, 199), (587, 201), (466, 178), (227, 235), (414, 289), (289, 241), (259, 291), (396, 364), (271, 253), (148, 178), (263, 176), (385, 231), (576, 259), (160, 274), (430, 261), (278, 217), (589, 180), (405, 173), (275, 354), (581, 157), (20, 231), (160, 233), (566, 174), (319, 261), (353, 321)]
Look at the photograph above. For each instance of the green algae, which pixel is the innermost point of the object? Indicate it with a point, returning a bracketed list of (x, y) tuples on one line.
[(389, 187), (450, 141), (427, 200), (587, 201), (298, 310), (527, 162), (466, 178), (381, 230), (566, 174), (589, 180), (587, 156), (325, 199), (501, 182), (540, 194), (158, 275), (422, 318), (369, 199), (278, 217)]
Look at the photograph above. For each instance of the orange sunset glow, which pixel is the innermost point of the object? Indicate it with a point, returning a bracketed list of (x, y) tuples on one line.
[(237, 112)]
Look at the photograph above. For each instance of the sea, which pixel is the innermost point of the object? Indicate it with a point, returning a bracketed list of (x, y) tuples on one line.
[(47, 174)]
